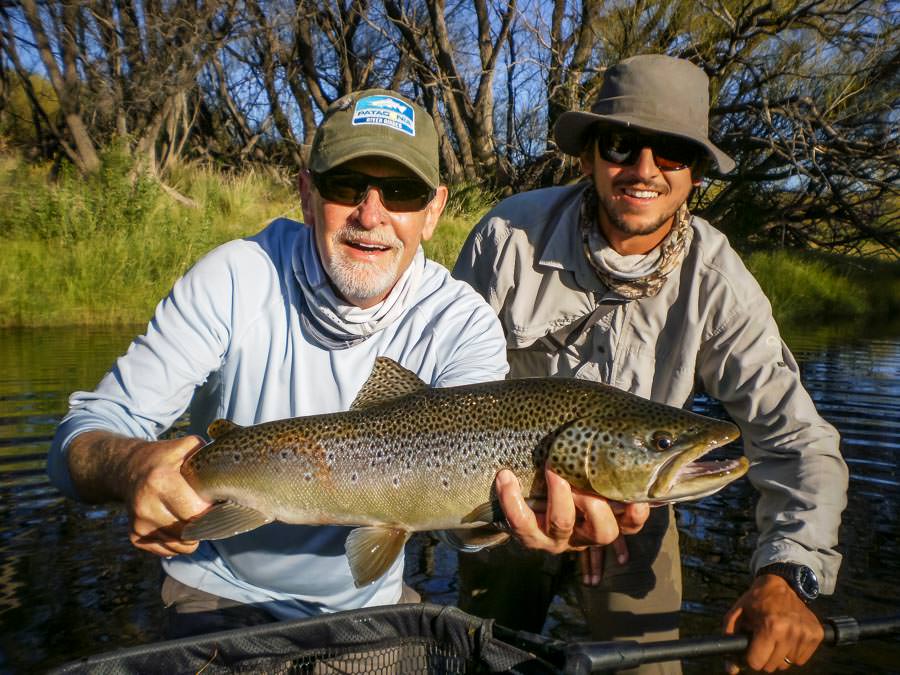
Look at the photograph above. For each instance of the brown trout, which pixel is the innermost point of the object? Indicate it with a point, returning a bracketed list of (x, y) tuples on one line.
[(407, 457)]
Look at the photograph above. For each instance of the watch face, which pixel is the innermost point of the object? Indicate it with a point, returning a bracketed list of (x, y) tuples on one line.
[(807, 582)]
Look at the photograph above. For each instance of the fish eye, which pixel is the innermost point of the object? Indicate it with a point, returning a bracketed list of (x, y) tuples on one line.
[(663, 440)]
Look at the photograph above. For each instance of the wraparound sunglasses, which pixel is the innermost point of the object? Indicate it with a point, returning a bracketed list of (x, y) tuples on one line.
[(400, 194), (669, 153)]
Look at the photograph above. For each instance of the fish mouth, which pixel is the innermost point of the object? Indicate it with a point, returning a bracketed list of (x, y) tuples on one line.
[(684, 476)]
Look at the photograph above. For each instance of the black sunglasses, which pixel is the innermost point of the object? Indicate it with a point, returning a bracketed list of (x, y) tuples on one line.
[(669, 153), (398, 193)]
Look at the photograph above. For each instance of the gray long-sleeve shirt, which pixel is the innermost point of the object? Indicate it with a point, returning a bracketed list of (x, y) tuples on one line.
[(710, 327)]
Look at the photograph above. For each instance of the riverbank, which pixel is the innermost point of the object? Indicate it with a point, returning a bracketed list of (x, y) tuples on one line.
[(104, 250)]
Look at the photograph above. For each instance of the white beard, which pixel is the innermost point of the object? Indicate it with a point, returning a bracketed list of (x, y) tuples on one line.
[(363, 280)]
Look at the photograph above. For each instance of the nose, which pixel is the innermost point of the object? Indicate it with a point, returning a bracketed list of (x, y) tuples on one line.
[(645, 166), (371, 211)]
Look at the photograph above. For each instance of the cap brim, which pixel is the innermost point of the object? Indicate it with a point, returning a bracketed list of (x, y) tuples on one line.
[(373, 147), (570, 133)]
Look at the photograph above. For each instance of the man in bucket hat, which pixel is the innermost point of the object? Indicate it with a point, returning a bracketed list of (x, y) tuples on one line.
[(612, 279), (285, 323)]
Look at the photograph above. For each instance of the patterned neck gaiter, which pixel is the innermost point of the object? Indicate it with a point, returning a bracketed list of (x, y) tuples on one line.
[(646, 278)]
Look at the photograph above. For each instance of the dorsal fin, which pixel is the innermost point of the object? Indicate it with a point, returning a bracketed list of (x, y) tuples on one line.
[(221, 427), (388, 380)]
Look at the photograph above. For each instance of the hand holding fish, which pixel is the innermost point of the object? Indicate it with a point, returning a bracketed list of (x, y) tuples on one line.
[(574, 519), (158, 499), (785, 631)]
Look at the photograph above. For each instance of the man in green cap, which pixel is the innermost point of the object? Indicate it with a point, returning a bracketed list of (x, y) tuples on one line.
[(612, 279), (287, 323)]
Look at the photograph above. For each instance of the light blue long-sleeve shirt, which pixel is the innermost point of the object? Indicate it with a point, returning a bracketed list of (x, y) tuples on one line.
[(227, 341)]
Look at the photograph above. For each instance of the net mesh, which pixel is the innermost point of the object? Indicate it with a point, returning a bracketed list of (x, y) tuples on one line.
[(415, 638)]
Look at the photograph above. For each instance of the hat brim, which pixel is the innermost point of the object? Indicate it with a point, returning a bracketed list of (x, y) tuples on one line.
[(570, 132)]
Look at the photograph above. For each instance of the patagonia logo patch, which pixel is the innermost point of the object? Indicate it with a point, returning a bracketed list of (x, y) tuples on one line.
[(385, 111)]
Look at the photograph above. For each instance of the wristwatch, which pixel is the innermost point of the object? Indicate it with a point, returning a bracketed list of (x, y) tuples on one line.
[(802, 579)]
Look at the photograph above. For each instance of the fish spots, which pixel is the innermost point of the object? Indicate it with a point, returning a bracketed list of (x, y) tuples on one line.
[(456, 439), (236, 457)]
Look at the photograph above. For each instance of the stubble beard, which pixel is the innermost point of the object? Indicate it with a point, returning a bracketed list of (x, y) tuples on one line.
[(620, 224), (358, 280)]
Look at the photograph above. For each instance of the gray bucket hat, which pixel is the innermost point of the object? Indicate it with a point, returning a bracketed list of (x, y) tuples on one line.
[(651, 92), (380, 123)]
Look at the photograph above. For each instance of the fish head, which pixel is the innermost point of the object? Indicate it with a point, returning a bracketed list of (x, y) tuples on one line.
[(652, 453)]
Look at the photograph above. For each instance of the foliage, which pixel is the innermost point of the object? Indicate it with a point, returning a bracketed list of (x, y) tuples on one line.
[(76, 207), (804, 287), (804, 93), (17, 129), (117, 248), (106, 249), (470, 201)]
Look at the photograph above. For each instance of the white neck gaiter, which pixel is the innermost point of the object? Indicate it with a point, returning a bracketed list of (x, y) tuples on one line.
[(329, 319)]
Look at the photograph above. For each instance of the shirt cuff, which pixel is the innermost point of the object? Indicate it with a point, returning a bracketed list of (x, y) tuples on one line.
[(824, 564)]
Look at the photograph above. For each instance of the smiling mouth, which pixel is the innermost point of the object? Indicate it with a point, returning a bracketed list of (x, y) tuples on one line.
[(367, 247), (640, 194)]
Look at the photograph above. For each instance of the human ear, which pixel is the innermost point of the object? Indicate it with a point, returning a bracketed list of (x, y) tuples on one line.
[(586, 162), (433, 212)]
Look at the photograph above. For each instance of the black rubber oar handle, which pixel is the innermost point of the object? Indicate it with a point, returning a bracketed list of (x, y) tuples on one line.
[(592, 657)]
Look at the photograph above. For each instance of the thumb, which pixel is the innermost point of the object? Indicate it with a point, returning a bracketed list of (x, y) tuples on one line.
[(729, 623), (186, 445)]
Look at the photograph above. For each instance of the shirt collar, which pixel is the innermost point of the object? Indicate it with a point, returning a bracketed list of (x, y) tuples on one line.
[(563, 249)]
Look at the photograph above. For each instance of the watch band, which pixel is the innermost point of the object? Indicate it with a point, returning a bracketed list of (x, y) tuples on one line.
[(800, 578)]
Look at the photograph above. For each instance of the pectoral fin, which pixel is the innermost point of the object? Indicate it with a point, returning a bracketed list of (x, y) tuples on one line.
[(222, 520), (372, 550), (489, 512), (475, 538)]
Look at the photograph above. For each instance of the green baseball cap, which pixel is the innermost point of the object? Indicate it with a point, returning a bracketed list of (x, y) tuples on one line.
[(380, 123)]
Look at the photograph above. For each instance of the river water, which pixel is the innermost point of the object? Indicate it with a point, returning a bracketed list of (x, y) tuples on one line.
[(71, 585)]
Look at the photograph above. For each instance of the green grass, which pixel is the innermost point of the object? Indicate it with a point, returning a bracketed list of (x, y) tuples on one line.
[(105, 250), (810, 286)]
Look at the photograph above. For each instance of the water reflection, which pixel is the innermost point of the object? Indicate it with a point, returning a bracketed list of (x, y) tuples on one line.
[(71, 585)]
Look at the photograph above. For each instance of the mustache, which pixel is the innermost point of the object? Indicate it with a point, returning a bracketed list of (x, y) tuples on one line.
[(358, 235), (640, 185)]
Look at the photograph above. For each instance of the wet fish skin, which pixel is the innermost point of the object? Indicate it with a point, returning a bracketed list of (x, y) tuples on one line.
[(408, 458)]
